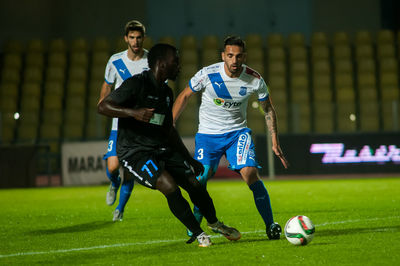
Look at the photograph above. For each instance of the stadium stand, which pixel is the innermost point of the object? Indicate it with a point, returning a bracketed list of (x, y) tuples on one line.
[(276, 77), (299, 84), (210, 42), (331, 83), (190, 63)]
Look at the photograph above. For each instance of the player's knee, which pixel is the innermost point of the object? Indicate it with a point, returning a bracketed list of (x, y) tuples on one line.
[(166, 184), (194, 182), (249, 175), (112, 164)]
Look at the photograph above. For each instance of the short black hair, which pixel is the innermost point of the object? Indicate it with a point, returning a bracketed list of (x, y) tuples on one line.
[(134, 25), (234, 40), (158, 52)]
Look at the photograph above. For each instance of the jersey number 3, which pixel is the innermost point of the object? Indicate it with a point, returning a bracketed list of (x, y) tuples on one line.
[(200, 153), (110, 145)]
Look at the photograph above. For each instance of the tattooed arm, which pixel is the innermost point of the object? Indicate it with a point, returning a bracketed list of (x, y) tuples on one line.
[(272, 124)]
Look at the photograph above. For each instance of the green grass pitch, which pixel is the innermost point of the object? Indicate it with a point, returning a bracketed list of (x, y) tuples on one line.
[(357, 223)]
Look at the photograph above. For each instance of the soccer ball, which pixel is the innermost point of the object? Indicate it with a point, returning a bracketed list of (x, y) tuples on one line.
[(299, 230)]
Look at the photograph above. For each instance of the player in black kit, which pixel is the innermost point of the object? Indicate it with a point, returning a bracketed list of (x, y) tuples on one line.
[(151, 150)]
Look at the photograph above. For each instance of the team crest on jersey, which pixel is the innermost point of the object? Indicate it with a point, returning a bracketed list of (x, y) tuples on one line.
[(243, 91)]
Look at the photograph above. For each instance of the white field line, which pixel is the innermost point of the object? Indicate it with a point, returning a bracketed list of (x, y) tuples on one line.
[(169, 241)]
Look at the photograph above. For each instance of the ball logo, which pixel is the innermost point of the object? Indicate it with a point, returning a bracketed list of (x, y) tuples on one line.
[(219, 101)]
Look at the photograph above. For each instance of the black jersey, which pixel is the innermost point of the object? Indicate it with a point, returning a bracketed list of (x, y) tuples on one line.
[(143, 90)]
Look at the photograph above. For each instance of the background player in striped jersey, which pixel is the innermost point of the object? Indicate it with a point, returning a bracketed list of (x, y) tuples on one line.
[(120, 67), (223, 130)]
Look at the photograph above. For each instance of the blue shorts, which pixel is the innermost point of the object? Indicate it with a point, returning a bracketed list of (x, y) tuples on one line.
[(237, 146), (112, 145)]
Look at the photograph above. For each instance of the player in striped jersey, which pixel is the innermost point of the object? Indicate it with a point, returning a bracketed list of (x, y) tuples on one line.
[(223, 130), (121, 66)]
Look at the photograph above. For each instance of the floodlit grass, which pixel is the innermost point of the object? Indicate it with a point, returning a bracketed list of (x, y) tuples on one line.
[(357, 223)]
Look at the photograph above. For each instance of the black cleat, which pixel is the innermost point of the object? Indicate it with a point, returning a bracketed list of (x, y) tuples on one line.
[(191, 239), (274, 231)]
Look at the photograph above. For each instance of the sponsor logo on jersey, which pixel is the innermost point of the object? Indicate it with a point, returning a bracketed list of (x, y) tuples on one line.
[(226, 104), (219, 101), (243, 148), (122, 69), (243, 91), (219, 86)]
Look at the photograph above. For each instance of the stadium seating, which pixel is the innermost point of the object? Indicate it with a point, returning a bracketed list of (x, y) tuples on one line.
[(210, 56), (13, 46), (101, 44), (255, 115), (187, 124), (167, 39), (330, 83), (10, 75), (79, 45), (188, 42), (12, 60), (120, 45), (299, 92), (275, 40), (210, 42), (276, 76), (36, 46), (296, 39), (319, 39), (57, 46), (345, 102)]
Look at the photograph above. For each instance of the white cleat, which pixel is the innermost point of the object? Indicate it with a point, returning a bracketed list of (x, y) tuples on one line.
[(228, 232), (117, 216), (111, 195), (204, 240)]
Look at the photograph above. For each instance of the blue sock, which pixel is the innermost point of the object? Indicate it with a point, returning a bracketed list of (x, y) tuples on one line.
[(124, 194), (262, 201), (203, 181), (114, 178)]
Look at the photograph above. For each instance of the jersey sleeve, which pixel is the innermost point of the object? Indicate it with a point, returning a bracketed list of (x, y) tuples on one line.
[(110, 73), (126, 93), (198, 81), (262, 91)]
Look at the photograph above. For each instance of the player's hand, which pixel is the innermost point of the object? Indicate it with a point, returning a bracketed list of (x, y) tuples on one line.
[(197, 166), (278, 152), (143, 114)]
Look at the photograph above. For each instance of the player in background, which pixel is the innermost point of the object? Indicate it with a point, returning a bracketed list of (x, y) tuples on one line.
[(151, 150), (120, 67), (223, 130)]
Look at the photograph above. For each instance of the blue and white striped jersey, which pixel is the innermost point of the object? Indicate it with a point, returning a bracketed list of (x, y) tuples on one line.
[(224, 100), (119, 68)]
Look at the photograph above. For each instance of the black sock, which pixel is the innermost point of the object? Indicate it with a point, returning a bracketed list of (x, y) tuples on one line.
[(181, 209), (200, 197)]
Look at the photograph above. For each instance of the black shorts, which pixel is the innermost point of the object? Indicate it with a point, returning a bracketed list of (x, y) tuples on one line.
[(146, 167)]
